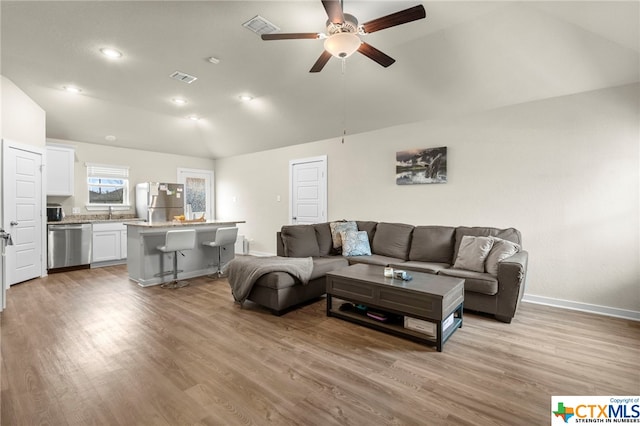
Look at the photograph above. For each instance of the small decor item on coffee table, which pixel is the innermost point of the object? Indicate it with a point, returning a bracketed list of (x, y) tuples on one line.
[(432, 304)]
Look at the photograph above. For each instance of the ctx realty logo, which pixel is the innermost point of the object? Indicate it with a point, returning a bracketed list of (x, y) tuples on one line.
[(595, 409)]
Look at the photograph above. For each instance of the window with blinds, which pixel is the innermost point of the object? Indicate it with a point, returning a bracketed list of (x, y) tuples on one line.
[(108, 185)]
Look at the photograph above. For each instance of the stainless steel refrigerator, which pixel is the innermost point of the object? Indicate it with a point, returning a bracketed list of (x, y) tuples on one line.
[(159, 202)]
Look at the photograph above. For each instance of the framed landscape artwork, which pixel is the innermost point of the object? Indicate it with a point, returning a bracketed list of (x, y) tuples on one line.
[(416, 166)]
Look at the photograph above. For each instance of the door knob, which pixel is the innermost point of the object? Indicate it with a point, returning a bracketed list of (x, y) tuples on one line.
[(13, 223)]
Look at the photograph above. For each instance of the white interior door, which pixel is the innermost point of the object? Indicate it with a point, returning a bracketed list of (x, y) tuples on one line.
[(22, 212), (308, 190), (198, 191)]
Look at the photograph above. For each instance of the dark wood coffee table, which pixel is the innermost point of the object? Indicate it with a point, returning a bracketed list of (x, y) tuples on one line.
[(426, 297)]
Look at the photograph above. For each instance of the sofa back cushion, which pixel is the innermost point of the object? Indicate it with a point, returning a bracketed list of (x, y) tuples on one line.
[(509, 234), (300, 241), (432, 244), (323, 235), (369, 227), (392, 240)]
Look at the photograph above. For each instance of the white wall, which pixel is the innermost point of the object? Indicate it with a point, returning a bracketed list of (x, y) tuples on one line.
[(22, 120), (564, 171), (144, 166)]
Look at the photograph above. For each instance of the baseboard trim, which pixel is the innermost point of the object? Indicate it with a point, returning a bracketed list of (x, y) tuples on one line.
[(584, 307), (260, 253)]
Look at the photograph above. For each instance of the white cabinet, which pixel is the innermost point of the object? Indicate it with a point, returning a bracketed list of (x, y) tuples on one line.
[(123, 243), (59, 170), (109, 242)]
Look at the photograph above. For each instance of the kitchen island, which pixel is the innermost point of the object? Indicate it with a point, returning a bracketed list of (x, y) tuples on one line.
[(145, 262)]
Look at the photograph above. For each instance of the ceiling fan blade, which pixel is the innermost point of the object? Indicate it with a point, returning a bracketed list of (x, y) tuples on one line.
[(398, 18), (334, 11), (373, 53), (289, 36), (321, 62)]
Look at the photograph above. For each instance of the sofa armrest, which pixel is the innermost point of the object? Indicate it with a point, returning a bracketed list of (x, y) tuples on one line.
[(512, 273), (279, 244)]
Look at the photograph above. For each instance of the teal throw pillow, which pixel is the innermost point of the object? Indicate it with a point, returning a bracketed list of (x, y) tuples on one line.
[(355, 243)]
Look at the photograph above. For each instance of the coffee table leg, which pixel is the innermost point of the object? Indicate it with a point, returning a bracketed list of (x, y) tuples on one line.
[(329, 303)]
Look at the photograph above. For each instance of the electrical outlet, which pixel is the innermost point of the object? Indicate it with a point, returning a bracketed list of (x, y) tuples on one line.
[(75, 210)]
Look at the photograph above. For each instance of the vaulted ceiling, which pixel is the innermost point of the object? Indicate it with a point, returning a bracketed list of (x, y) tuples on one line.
[(464, 57)]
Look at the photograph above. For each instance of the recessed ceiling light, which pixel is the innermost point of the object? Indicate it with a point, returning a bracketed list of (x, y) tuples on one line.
[(72, 89), (111, 53), (110, 138), (245, 98), (193, 117), (179, 101), (213, 60)]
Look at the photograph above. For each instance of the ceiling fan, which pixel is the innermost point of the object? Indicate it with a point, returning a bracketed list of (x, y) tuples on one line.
[(343, 33)]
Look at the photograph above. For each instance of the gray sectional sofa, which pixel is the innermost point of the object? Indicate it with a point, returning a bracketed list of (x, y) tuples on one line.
[(430, 249)]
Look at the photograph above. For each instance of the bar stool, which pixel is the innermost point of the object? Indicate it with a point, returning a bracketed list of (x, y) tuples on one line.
[(224, 237), (176, 241)]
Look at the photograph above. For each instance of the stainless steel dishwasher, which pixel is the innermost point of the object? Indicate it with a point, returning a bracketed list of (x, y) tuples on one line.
[(68, 245)]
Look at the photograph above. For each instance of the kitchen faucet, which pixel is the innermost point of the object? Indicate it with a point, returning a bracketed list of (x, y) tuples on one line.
[(110, 212)]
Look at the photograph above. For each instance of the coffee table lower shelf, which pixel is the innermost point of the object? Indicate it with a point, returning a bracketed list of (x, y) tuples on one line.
[(394, 328)]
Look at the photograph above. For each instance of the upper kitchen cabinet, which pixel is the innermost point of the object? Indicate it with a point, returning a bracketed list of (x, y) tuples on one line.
[(59, 170)]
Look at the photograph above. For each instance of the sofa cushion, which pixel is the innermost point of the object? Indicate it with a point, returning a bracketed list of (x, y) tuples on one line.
[(300, 241), (276, 280), (322, 265), (432, 244), (472, 253), (337, 228), (282, 280), (501, 250), (428, 267), (477, 282), (374, 259), (509, 234), (323, 235), (369, 227), (392, 240), (355, 244)]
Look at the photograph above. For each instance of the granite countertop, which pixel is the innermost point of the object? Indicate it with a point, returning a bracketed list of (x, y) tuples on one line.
[(95, 218), (176, 223)]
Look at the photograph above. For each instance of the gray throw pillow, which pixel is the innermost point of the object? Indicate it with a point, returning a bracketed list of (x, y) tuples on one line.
[(337, 228), (501, 250), (472, 253)]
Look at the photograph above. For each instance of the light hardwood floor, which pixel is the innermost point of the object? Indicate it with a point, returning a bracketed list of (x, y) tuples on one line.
[(91, 347)]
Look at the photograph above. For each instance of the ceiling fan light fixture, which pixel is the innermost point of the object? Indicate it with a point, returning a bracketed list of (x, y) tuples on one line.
[(111, 53), (342, 45), (72, 89)]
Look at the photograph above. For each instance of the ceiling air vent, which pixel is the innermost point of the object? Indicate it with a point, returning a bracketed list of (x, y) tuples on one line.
[(260, 26), (184, 77)]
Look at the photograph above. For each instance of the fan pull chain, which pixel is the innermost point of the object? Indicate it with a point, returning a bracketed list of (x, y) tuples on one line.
[(344, 107)]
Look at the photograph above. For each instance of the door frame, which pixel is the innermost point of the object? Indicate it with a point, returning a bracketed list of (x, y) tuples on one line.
[(210, 214), (324, 186), (11, 144)]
